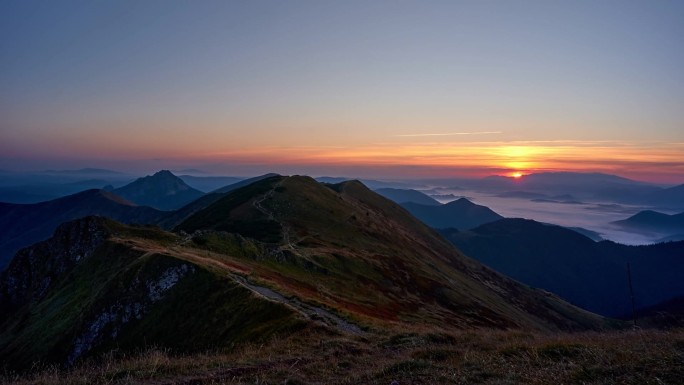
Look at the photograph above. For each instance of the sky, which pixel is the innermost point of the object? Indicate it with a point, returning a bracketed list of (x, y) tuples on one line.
[(348, 88)]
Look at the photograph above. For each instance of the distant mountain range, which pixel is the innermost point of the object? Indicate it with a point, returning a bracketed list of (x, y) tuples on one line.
[(460, 214), (242, 183), (649, 220), (670, 197), (270, 257), (163, 191), (589, 274), (606, 187), (25, 224), (209, 183), (578, 186), (565, 187), (407, 195)]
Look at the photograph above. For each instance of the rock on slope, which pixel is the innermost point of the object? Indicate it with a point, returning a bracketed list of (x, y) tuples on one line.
[(97, 284)]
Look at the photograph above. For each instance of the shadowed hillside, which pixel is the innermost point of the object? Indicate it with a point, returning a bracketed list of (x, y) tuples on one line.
[(25, 224), (460, 214), (589, 274)]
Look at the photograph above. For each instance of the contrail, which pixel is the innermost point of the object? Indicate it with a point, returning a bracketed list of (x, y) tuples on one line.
[(454, 133)]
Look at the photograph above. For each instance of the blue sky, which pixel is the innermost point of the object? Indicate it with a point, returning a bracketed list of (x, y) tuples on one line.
[(301, 85)]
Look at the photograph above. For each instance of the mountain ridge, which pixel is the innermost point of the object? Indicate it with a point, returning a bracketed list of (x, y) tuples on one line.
[(556, 259), (163, 191), (338, 257), (654, 220), (461, 214), (407, 195)]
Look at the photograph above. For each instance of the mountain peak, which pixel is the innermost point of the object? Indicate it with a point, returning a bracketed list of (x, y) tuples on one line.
[(462, 202), (165, 174), (461, 214), (163, 191)]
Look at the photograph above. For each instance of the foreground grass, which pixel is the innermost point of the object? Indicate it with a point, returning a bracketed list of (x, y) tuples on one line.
[(429, 357)]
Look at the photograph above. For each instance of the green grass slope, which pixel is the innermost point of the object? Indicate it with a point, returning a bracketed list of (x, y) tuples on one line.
[(349, 249), (126, 289)]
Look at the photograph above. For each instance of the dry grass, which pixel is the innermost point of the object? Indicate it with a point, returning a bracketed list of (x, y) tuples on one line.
[(427, 357)]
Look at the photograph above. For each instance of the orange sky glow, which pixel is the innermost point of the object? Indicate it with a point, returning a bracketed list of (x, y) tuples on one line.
[(413, 90), (650, 161)]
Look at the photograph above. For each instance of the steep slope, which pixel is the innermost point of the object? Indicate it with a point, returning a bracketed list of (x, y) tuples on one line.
[(98, 285), (459, 214), (163, 191), (175, 217), (347, 248), (589, 274), (24, 224), (407, 195)]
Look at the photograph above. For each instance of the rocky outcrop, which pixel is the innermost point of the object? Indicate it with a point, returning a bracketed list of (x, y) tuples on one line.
[(136, 301), (35, 269)]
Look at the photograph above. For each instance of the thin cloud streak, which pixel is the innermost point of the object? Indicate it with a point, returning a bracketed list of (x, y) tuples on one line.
[(451, 134)]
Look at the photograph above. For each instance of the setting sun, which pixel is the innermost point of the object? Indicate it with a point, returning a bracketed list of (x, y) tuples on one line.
[(517, 174)]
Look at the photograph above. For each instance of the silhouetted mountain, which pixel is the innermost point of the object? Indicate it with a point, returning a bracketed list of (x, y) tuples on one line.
[(654, 221), (242, 183), (372, 183), (672, 198), (459, 214), (592, 186), (19, 187), (274, 256), (209, 183), (589, 274), (163, 191), (580, 186), (25, 224), (671, 238), (407, 195)]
